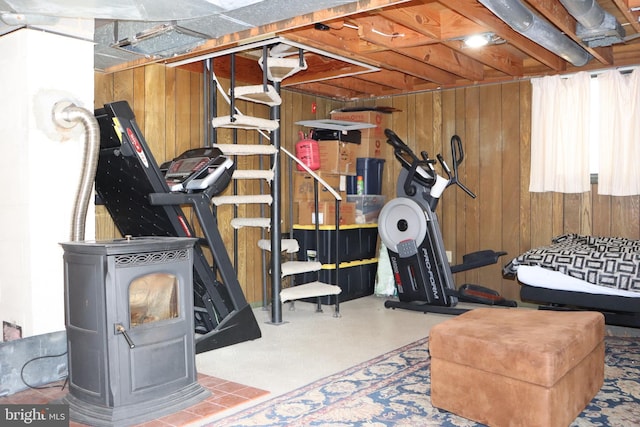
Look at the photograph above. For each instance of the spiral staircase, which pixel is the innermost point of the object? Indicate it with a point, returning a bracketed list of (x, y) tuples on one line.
[(275, 69)]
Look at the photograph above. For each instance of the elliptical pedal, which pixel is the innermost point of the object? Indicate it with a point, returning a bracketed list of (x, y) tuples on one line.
[(483, 295)]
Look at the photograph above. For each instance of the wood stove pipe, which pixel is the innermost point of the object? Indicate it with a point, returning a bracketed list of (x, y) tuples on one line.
[(67, 115)]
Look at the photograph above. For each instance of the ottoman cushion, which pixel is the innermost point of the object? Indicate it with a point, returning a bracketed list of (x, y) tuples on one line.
[(517, 367)]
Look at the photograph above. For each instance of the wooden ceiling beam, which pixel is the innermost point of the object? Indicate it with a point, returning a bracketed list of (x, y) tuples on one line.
[(247, 70), (632, 16), (338, 44), (395, 61), (418, 46), (438, 55), (323, 68), (357, 85), (328, 90), (497, 57), (336, 12), (420, 18), (389, 78), (455, 25), (344, 42), (447, 59), (381, 31)]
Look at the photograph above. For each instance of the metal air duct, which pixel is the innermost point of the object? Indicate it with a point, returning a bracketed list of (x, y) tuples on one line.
[(596, 27), (525, 22)]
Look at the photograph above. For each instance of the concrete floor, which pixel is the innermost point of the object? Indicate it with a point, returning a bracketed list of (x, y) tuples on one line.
[(309, 345)]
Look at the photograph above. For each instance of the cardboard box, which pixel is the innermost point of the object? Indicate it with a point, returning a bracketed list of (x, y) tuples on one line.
[(380, 119), (303, 184), (337, 157), (326, 213), (373, 147)]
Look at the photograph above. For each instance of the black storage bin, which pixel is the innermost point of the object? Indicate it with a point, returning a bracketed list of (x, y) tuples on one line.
[(356, 279), (356, 242)]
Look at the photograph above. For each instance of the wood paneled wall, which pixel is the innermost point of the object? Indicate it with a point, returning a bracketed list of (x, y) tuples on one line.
[(493, 122)]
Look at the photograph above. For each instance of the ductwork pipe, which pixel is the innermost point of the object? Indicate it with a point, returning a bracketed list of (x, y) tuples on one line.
[(525, 22), (587, 12), (68, 115), (595, 26)]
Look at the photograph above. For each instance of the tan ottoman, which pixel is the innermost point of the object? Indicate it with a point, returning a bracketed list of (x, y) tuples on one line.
[(515, 367)]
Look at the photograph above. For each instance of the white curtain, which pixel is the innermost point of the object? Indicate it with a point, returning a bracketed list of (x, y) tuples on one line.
[(619, 137), (560, 134)]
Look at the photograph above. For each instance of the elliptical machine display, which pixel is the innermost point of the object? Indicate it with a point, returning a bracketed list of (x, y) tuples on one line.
[(409, 228)]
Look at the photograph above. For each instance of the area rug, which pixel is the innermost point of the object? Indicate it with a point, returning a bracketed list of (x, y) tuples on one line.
[(393, 390)]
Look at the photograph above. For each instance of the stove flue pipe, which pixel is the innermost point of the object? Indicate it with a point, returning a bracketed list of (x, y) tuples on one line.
[(525, 22), (67, 115)]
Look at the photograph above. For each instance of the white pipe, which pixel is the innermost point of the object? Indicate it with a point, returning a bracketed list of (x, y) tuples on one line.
[(67, 115)]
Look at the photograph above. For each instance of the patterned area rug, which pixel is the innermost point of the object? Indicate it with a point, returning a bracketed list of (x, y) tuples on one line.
[(393, 390)]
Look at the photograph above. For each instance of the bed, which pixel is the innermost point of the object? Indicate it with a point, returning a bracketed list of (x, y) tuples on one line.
[(583, 272)]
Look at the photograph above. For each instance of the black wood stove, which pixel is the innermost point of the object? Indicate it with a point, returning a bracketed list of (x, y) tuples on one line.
[(129, 323)]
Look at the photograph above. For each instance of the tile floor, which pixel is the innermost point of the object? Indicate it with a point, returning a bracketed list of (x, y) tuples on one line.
[(224, 395)]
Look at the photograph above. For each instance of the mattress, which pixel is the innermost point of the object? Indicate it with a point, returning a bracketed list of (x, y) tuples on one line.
[(544, 278), (597, 264)]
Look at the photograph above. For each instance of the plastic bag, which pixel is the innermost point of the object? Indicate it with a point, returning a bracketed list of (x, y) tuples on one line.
[(385, 286)]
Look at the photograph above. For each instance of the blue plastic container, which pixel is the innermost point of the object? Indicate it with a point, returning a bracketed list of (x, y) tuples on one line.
[(370, 169)]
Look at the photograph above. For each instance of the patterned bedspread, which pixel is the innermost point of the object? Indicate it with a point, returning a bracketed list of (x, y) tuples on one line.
[(606, 261)]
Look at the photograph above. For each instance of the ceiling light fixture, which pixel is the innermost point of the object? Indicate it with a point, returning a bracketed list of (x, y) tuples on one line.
[(478, 40)]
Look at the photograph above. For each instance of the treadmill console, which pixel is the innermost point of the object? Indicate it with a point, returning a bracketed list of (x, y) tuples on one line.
[(197, 170)]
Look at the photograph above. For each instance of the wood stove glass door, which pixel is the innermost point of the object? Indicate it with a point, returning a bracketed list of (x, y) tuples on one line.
[(152, 335), (153, 298)]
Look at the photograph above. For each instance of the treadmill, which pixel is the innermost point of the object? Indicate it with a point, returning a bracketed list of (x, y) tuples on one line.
[(138, 196)]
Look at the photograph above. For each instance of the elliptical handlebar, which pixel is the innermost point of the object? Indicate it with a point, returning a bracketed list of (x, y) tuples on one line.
[(457, 153), (402, 151), (395, 141), (411, 162), (457, 156)]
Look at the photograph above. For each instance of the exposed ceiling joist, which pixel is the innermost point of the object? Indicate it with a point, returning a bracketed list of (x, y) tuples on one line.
[(360, 48)]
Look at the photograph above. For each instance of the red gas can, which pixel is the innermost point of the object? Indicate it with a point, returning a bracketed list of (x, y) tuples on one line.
[(308, 152)]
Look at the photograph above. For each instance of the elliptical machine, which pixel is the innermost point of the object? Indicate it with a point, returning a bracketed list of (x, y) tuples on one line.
[(409, 228)]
